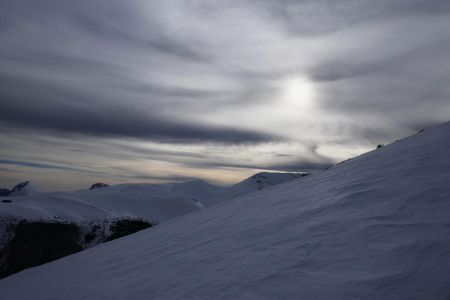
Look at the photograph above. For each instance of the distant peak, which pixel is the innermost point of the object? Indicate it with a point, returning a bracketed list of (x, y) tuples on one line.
[(98, 185), (276, 174), (265, 179), (25, 188)]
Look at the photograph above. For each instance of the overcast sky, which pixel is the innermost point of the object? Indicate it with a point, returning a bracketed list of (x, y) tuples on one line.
[(155, 91)]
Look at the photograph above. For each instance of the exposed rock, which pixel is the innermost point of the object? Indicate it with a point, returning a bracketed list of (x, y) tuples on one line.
[(265, 179), (125, 227), (35, 243), (25, 188), (32, 243), (98, 185)]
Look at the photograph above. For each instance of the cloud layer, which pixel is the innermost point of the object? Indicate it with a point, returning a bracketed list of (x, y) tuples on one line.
[(173, 89)]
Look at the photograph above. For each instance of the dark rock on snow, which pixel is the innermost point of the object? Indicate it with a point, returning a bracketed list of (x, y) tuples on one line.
[(98, 185)]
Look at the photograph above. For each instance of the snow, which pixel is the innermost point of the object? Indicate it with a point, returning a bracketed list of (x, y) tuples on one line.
[(209, 194), (374, 227), (25, 188), (149, 201), (129, 200), (256, 182)]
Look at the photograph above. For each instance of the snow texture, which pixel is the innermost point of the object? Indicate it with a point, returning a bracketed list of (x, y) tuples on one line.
[(374, 227)]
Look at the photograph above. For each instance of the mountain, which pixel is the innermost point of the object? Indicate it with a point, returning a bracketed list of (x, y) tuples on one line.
[(25, 188), (209, 195), (147, 201), (39, 228), (256, 182), (98, 185), (374, 227), (63, 223), (156, 202)]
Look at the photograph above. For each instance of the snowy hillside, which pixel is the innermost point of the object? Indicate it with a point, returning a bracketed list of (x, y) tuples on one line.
[(59, 224), (25, 188), (134, 200), (149, 201), (374, 227), (93, 216), (208, 194), (256, 182)]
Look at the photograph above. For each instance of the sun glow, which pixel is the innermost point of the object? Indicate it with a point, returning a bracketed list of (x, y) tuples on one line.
[(297, 97), (298, 90)]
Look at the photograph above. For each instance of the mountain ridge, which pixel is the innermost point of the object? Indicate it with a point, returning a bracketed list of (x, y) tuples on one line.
[(374, 227)]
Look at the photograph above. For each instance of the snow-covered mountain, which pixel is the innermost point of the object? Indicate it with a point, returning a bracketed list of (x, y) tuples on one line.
[(93, 216), (25, 188), (374, 227), (39, 223), (208, 194), (129, 200), (257, 182), (156, 202)]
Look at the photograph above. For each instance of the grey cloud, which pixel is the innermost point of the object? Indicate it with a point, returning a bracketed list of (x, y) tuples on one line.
[(165, 178), (293, 166), (388, 65), (6, 170), (299, 167), (318, 17), (128, 173), (120, 121), (148, 152), (36, 165), (91, 70), (112, 21)]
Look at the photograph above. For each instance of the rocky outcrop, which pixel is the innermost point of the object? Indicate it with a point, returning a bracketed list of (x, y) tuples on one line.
[(98, 185), (31, 243), (25, 188)]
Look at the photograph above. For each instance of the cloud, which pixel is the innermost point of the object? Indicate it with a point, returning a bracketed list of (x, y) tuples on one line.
[(125, 123), (61, 112), (302, 165), (193, 86), (36, 165)]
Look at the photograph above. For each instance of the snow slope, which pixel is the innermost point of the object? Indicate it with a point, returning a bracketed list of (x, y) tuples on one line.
[(208, 194), (25, 188), (146, 201), (149, 201), (374, 227), (256, 182)]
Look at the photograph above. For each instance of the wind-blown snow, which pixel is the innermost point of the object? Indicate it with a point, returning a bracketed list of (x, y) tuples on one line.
[(374, 227), (129, 200)]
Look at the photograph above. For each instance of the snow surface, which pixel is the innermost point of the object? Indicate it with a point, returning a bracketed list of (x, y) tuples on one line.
[(25, 188), (210, 195), (146, 201), (149, 201), (374, 227), (96, 209)]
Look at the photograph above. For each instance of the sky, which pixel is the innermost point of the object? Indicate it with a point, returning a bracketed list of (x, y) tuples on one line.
[(168, 91)]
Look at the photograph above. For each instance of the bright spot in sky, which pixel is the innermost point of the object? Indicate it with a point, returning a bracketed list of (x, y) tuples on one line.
[(298, 90), (296, 98)]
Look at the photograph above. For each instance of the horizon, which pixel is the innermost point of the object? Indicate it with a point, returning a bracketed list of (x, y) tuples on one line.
[(187, 180), (122, 92)]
